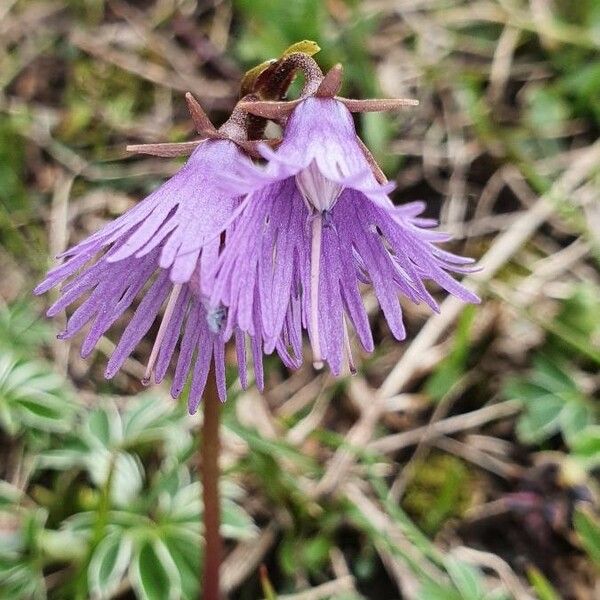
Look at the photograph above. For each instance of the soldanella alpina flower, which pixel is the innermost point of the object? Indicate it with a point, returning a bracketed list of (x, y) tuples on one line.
[(163, 251), (318, 223)]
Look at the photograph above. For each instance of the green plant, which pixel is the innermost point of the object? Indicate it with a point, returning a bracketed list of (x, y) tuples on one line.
[(552, 402), (32, 397)]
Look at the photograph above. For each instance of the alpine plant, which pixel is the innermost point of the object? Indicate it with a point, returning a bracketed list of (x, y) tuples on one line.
[(163, 251), (317, 223), (232, 249)]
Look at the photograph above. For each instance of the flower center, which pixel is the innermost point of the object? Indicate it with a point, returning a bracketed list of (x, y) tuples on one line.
[(318, 192)]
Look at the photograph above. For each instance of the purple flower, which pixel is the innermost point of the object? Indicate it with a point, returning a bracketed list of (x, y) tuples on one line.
[(166, 247), (316, 225)]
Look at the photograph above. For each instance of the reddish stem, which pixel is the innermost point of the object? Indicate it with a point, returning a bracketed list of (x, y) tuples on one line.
[(210, 449)]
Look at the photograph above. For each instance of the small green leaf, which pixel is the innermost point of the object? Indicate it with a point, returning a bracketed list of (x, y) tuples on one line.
[(267, 586), (588, 529), (21, 327), (109, 563), (187, 558), (437, 591), (543, 588), (316, 552), (128, 479), (62, 545), (154, 573), (305, 47), (235, 521), (547, 110), (466, 578), (552, 403), (105, 425), (541, 420), (453, 366), (149, 419), (34, 396), (586, 444), (574, 418)]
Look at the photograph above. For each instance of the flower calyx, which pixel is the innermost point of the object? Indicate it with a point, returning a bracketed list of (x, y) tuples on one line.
[(321, 86), (235, 129)]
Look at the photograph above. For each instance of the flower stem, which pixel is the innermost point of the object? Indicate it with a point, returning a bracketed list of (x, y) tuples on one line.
[(210, 449)]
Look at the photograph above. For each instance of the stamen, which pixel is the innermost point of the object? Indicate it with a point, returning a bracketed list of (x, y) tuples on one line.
[(318, 192), (149, 373), (315, 261), (351, 364)]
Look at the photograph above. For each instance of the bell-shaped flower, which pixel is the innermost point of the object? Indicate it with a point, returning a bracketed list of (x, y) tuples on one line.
[(317, 224), (163, 250)]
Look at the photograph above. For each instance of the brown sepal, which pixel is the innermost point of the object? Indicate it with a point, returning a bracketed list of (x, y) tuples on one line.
[(166, 150), (332, 82), (379, 174), (199, 117), (377, 104)]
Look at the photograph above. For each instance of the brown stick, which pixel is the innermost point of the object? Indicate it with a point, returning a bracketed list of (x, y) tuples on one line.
[(210, 449)]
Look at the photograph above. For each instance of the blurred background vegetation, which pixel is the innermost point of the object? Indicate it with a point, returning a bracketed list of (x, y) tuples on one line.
[(457, 465)]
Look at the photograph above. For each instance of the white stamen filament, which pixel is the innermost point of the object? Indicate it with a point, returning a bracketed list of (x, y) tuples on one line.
[(161, 333), (315, 261), (318, 192), (351, 364)]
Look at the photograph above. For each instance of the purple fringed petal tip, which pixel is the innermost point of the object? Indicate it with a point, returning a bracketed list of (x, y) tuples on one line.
[(180, 217)]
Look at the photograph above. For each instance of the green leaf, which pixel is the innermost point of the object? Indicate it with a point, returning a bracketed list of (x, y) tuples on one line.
[(305, 46), (61, 545), (586, 444), (587, 527), (466, 578), (541, 419), (235, 521), (108, 565), (128, 479), (105, 425), (579, 313), (454, 365), (437, 591), (543, 588), (21, 327), (315, 553), (552, 403), (547, 110), (550, 376), (574, 418), (73, 452), (154, 573), (32, 395), (150, 419), (182, 505), (187, 560), (21, 579)]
